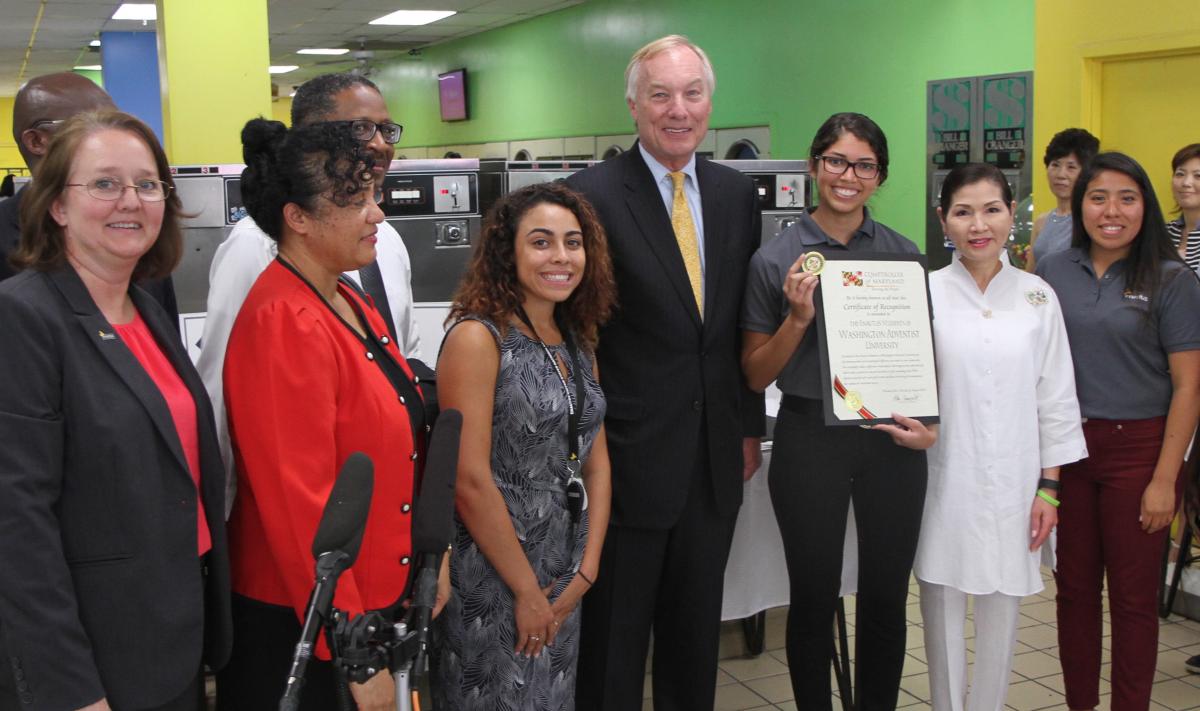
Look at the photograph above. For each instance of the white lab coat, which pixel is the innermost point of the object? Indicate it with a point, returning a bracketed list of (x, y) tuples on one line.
[(1006, 392), (238, 262)]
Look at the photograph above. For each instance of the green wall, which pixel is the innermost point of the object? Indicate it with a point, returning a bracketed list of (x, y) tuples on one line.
[(783, 64)]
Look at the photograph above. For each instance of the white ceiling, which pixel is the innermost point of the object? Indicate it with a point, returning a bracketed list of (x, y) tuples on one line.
[(60, 39)]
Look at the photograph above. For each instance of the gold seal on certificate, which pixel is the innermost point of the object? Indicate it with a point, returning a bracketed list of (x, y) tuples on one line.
[(814, 262), (875, 338)]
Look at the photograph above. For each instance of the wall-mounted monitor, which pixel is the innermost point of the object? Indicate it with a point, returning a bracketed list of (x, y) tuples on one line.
[(452, 95)]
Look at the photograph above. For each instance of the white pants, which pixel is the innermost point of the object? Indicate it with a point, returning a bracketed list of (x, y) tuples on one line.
[(944, 610)]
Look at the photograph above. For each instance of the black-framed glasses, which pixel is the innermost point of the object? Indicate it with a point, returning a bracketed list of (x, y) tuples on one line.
[(836, 165), (112, 189), (47, 124), (364, 130)]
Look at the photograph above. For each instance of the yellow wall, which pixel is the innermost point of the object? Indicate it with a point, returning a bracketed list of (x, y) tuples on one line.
[(9, 157), (209, 95), (281, 109), (1074, 40)]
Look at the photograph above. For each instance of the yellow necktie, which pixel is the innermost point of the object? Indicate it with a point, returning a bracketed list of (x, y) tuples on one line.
[(685, 235)]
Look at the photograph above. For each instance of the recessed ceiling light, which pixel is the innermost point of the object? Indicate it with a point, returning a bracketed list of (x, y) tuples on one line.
[(90, 67), (412, 17), (94, 43), (318, 50), (282, 68), (136, 11)]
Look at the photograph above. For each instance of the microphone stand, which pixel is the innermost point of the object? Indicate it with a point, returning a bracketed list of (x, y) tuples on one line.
[(329, 567)]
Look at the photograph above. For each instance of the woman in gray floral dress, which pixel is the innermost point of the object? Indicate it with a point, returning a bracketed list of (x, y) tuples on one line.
[(533, 477)]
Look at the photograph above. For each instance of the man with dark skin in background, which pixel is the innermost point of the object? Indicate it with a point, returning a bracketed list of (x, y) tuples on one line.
[(39, 109)]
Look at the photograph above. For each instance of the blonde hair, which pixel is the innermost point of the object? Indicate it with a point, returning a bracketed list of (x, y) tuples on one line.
[(657, 47)]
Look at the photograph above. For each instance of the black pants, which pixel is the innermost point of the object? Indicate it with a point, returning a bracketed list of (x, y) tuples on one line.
[(668, 580), (815, 472), (192, 698), (264, 639)]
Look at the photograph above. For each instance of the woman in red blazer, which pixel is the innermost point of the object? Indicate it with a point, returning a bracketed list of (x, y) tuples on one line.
[(310, 377)]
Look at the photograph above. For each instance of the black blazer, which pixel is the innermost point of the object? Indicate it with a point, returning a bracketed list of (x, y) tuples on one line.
[(673, 381), (101, 592)]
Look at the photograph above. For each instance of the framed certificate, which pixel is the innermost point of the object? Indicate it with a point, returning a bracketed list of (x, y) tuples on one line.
[(875, 339)]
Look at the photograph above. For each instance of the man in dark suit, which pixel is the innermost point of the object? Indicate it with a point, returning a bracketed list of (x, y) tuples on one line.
[(39, 108), (682, 428)]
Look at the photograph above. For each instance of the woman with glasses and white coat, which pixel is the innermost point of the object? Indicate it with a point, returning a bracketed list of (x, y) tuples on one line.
[(1009, 421), (816, 471)]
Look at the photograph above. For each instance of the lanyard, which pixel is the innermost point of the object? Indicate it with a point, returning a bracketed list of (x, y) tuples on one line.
[(574, 406)]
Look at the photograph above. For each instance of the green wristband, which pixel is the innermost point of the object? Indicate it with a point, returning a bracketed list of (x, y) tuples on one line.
[(1048, 498)]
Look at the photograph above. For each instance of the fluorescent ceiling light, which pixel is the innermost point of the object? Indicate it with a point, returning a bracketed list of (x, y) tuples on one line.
[(94, 43), (136, 11), (282, 68), (318, 50), (412, 17), (90, 67)]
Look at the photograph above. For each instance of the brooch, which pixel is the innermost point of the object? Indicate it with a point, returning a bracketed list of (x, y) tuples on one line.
[(1037, 297)]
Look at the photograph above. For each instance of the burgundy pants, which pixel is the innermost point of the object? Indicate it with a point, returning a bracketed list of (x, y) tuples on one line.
[(1098, 532)]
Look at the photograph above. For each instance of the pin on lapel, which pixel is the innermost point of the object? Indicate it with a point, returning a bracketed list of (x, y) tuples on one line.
[(106, 336)]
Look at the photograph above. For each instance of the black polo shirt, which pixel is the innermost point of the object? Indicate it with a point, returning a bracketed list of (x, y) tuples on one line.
[(765, 307), (1120, 340)]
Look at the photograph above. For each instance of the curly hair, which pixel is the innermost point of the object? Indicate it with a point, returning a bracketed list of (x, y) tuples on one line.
[(490, 289), (43, 242), (297, 166)]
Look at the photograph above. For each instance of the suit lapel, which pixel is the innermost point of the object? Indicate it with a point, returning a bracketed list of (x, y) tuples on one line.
[(714, 245), (646, 206), (114, 351)]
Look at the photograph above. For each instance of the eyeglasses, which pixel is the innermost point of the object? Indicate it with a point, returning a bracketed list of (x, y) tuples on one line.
[(47, 124), (836, 166), (364, 130), (112, 189)]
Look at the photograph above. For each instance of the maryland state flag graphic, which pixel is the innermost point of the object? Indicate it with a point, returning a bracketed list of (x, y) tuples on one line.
[(852, 279)]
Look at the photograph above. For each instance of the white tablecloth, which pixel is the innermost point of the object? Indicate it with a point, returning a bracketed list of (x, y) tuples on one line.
[(756, 576)]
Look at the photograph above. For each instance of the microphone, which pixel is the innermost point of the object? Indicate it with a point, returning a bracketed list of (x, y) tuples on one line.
[(433, 518), (335, 547), (433, 525)]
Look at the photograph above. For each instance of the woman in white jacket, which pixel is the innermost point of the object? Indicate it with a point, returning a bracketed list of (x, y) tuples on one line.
[(1009, 420)]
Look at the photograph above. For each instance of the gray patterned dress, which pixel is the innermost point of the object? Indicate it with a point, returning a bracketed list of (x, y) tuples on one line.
[(474, 666)]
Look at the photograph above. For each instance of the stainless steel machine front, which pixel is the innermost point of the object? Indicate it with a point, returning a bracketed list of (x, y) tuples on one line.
[(212, 199), (782, 187), (435, 206)]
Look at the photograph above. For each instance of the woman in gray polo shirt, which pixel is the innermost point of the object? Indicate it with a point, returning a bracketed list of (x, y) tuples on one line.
[(817, 470), (1130, 306)]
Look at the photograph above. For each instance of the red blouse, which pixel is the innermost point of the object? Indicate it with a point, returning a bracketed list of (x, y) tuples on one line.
[(137, 337), (302, 395)]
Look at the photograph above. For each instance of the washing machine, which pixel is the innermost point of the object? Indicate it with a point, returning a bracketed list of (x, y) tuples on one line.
[(212, 198)]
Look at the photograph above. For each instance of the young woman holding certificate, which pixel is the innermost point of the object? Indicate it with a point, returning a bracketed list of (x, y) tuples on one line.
[(817, 470), (1130, 306), (1007, 425)]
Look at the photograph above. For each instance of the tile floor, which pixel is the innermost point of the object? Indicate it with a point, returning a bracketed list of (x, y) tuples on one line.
[(761, 683)]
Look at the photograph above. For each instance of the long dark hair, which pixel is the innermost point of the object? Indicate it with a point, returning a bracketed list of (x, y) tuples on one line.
[(1151, 246), (490, 287)]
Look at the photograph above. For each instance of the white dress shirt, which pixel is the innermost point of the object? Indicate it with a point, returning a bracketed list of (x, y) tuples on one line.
[(1006, 391), (238, 262)]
